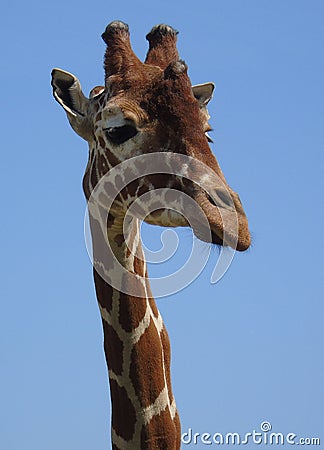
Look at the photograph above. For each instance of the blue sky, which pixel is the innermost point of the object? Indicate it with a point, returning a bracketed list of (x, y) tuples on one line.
[(245, 350)]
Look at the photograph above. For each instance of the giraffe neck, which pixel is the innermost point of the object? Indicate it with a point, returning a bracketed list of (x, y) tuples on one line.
[(137, 350)]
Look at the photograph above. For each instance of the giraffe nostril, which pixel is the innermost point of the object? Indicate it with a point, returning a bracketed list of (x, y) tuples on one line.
[(221, 198), (211, 200)]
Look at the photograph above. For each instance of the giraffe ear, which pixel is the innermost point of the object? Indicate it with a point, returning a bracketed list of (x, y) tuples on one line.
[(68, 93), (203, 93)]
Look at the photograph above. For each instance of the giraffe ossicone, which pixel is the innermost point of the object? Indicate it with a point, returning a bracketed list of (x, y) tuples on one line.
[(149, 159)]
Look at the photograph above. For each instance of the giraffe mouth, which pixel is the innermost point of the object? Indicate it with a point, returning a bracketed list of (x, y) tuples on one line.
[(227, 222), (238, 240)]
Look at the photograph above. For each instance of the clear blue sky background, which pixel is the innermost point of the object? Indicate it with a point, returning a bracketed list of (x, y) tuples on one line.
[(245, 350)]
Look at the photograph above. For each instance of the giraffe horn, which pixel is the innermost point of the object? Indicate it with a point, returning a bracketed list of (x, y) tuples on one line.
[(119, 56), (162, 46)]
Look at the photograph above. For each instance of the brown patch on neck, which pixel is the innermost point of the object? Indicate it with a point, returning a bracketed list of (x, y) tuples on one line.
[(113, 349), (123, 412), (104, 291), (146, 370), (131, 311), (160, 434)]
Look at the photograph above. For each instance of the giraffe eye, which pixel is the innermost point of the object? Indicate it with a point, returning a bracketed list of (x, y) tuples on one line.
[(119, 135)]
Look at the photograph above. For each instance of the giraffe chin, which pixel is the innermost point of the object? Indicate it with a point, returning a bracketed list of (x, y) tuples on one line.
[(239, 243)]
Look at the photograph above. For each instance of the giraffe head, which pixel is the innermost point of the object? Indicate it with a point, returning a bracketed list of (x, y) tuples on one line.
[(151, 108)]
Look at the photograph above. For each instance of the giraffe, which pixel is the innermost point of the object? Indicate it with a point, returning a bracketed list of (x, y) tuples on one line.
[(146, 110)]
